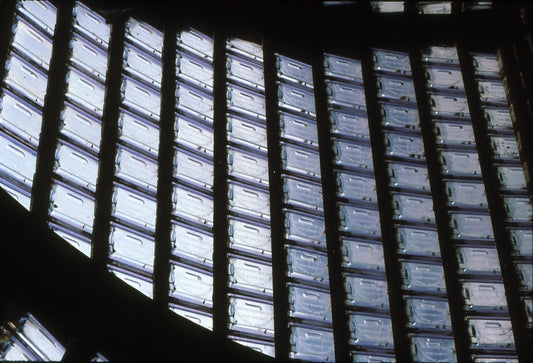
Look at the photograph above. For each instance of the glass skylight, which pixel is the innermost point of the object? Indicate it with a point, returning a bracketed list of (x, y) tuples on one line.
[(388, 120)]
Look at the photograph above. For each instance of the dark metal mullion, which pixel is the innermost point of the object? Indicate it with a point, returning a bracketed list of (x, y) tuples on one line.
[(457, 9), (220, 191), (518, 69), (53, 104), (450, 265), (341, 333), (163, 244), (7, 15), (503, 243), (108, 149), (392, 263), (520, 90), (279, 254)]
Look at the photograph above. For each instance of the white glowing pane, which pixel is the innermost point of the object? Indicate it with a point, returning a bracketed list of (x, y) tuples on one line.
[(138, 132), (17, 352), (196, 42), (437, 7), (72, 207), (26, 78), (81, 127), (17, 160), (40, 339), (32, 43), (204, 320), (136, 168), (251, 316), (191, 285), (244, 47), (85, 91), (134, 207), (387, 6), (20, 117), (89, 57), (99, 358), (42, 13), (23, 198), (143, 285), (145, 36), (132, 248), (76, 165), (261, 347), (82, 245), (91, 24)]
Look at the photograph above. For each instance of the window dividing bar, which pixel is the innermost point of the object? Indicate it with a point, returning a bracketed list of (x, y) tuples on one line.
[(165, 169), (518, 72), (108, 150), (341, 333), (457, 9), (451, 266), (7, 13), (517, 66), (496, 206), (220, 191), (392, 265), (279, 254), (53, 104)]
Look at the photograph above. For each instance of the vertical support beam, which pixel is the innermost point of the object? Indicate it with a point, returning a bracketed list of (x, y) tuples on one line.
[(220, 190), (392, 264), (279, 254), (7, 14), (53, 104), (503, 243), (450, 265), (341, 333), (108, 149), (165, 171), (517, 56)]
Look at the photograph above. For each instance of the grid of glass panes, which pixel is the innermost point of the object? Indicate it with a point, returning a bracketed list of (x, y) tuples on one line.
[(26, 339), (251, 307), (473, 241), (363, 266), (505, 157), (191, 276), (310, 319), (72, 197), (417, 243), (22, 96), (133, 215)]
